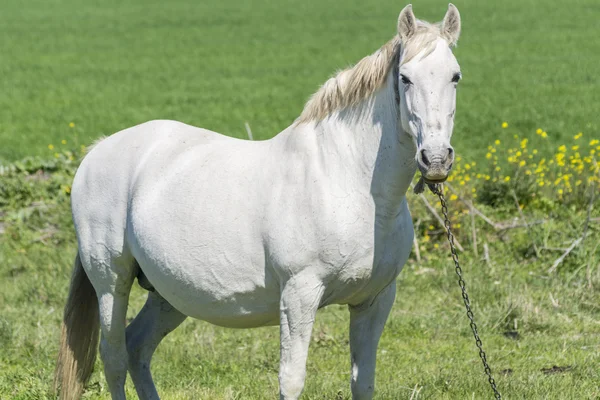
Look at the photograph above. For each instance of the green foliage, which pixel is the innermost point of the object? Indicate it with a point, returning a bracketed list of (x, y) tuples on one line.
[(426, 349), (220, 65)]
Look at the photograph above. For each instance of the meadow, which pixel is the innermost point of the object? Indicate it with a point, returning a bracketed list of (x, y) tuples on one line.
[(74, 71)]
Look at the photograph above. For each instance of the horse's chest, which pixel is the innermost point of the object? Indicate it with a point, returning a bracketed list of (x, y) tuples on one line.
[(385, 254)]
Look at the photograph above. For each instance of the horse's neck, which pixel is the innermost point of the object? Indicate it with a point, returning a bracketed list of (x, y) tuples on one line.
[(366, 141)]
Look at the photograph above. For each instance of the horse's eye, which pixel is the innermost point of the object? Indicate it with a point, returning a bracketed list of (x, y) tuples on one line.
[(456, 77), (405, 80)]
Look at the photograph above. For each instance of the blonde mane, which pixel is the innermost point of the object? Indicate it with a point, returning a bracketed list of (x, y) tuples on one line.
[(352, 85)]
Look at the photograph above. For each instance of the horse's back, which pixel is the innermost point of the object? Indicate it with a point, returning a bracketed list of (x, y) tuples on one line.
[(104, 179)]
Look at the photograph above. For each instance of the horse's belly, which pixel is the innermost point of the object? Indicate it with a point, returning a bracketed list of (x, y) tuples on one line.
[(223, 281), (237, 311), (223, 301)]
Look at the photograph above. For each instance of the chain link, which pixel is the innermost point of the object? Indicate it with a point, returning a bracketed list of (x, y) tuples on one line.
[(439, 191)]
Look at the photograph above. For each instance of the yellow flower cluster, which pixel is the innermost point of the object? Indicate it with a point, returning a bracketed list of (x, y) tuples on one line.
[(570, 167), (539, 172)]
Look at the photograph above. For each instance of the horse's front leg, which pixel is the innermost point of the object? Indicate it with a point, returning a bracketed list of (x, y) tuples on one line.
[(300, 299), (366, 325)]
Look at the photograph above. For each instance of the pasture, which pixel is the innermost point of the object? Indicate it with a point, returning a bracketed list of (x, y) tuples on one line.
[(72, 72)]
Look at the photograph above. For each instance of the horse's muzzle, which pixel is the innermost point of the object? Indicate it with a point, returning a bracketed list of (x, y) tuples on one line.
[(435, 163)]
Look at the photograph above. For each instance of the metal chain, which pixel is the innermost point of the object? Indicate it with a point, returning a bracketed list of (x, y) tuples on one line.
[(438, 190)]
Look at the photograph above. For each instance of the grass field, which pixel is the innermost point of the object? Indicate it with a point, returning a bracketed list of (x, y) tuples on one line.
[(106, 66), (530, 322)]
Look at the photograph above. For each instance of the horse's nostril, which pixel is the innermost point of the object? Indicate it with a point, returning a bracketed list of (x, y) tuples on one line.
[(424, 158)]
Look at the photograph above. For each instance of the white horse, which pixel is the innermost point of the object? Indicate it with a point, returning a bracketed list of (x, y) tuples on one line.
[(245, 234)]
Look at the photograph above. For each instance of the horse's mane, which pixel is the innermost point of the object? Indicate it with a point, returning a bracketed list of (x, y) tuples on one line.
[(352, 85)]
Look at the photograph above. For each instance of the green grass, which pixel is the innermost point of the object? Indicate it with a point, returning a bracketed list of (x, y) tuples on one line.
[(426, 352), (107, 66), (110, 65)]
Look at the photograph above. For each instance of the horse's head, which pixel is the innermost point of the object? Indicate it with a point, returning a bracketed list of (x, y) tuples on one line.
[(428, 75)]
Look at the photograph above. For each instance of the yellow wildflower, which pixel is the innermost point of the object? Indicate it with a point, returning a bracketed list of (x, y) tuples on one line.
[(576, 137), (506, 178), (51, 146), (453, 197), (575, 148), (505, 125), (524, 143), (544, 135), (63, 141), (71, 124), (539, 131), (497, 142), (562, 148)]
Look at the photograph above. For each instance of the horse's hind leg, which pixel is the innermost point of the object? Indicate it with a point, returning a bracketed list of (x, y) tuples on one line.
[(156, 319), (112, 279)]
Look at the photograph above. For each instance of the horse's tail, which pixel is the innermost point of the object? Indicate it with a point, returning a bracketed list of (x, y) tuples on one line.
[(79, 336)]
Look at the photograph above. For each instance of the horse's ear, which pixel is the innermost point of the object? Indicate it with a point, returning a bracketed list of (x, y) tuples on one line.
[(451, 25), (407, 23)]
